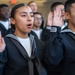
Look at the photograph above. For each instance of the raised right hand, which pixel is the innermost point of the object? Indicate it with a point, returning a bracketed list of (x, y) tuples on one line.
[(2, 43), (57, 20)]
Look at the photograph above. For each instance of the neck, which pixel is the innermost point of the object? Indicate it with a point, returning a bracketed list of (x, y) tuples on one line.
[(21, 35), (72, 27), (36, 28)]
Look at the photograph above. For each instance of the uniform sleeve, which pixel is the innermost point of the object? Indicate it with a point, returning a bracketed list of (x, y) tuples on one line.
[(54, 49), (45, 34)]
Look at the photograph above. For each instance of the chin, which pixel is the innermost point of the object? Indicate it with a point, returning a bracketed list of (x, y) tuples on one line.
[(28, 31)]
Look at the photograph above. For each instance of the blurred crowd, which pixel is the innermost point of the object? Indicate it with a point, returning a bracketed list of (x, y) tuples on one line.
[(29, 46)]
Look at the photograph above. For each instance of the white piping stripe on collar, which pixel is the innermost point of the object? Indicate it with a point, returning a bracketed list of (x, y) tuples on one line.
[(67, 30)]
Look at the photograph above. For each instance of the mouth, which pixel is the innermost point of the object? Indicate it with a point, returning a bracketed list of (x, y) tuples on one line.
[(29, 26)]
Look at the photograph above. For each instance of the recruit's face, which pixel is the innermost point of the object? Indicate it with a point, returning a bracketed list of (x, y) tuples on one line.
[(72, 14), (4, 13), (33, 6), (37, 20), (23, 20)]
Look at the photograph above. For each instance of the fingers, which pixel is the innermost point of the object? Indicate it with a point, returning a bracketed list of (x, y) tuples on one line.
[(50, 16), (57, 20), (3, 42), (49, 20), (57, 12), (2, 45), (1, 39)]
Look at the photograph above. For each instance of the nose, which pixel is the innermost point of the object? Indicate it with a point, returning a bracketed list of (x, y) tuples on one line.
[(62, 10), (29, 18)]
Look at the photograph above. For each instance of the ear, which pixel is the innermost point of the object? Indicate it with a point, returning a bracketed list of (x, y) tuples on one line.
[(67, 15), (12, 21)]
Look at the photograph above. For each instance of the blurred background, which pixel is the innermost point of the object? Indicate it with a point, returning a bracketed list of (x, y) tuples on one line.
[(43, 5)]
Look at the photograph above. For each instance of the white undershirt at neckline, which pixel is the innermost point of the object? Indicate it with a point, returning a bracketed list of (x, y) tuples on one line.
[(25, 42), (38, 32), (6, 24)]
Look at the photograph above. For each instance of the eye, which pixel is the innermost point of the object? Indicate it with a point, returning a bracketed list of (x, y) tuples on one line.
[(32, 15), (23, 15)]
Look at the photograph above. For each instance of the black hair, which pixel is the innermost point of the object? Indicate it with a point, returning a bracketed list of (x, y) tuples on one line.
[(42, 24), (54, 5), (3, 5), (68, 5), (37, 13), (15, 8), (30, 3), (13, 12)]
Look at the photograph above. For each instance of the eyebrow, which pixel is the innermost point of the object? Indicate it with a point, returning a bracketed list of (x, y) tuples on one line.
[(26, 12)]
